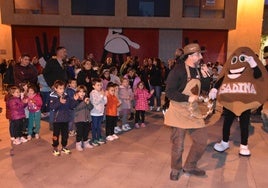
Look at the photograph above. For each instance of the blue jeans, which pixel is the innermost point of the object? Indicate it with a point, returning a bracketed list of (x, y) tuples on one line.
[(157, 95), (34, 121), (96, 127)]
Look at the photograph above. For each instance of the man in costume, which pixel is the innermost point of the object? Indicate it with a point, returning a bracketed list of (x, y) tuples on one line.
[(183, 87), (240, 88)]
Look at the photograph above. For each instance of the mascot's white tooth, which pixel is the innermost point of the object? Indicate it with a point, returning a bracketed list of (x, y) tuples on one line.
[(233, 71), (233, 76)]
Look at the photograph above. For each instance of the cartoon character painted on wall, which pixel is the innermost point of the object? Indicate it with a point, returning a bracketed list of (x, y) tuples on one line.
[(240, 88), (118, 45)]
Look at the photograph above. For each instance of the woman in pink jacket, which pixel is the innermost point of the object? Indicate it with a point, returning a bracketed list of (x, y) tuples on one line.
[(141, 96)]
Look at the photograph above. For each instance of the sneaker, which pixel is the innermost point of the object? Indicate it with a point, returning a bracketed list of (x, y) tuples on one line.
[(56, 152), (12, 138), (195, 171), (158, 109), (78, 146), (101, 141), (23, 140), (151, 108), (37, 136), (17, 141), (222, 146), (137, 126), (66, 151), (109, 138), (128, 126), (124, 128), (95, 143), (115, 136), (116, 131), (143, 125), (244, 151), (29, 137), (87, 144)]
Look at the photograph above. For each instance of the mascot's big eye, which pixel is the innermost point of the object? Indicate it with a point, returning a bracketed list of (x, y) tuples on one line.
[(242, 58), (234, 60)]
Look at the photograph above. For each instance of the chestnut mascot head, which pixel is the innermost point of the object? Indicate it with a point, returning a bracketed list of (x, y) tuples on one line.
[(240, 90)]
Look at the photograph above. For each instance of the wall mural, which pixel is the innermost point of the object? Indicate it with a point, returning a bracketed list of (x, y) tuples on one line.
[(129, 41), (41, 41), (118, 45), (45, 53), (36, 41)]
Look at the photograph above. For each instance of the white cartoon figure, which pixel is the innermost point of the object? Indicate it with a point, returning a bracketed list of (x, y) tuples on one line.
[(117, 44)]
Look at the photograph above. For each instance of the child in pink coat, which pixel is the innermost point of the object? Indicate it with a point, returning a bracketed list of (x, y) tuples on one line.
[(15, 106), (141, 96), (34, 106)]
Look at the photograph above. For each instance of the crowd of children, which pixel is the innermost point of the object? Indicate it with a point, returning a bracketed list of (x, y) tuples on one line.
[(75, 110)]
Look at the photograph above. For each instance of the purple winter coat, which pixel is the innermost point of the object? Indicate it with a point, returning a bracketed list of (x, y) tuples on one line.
[(16, 108)]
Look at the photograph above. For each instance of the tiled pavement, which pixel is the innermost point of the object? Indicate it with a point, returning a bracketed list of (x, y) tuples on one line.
[(138, 159)]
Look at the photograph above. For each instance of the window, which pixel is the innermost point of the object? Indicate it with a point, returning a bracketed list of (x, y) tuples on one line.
[(204, 8), (148, 8), (36, 6), (93, 7)]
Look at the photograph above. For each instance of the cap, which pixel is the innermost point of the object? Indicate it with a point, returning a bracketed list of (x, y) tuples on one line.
[(265, 52), (192, 48)]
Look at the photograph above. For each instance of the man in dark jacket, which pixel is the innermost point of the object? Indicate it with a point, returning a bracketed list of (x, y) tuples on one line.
[(24, 71), (54, 69)]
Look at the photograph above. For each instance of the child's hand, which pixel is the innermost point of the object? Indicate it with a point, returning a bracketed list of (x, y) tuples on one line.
[(102, 92), (152, 91), (76, 97), (87, 100), (87, 80), (62, 100)]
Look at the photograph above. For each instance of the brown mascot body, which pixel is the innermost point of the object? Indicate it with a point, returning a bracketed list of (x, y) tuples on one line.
[(240, 88)]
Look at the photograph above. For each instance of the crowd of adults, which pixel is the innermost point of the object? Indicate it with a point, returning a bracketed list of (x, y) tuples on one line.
[(35, 70)]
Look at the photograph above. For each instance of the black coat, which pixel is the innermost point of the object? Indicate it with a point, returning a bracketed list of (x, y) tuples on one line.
[(54, 71), (83, 74)]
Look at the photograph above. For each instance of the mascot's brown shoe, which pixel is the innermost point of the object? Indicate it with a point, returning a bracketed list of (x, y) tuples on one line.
[(195, 171)]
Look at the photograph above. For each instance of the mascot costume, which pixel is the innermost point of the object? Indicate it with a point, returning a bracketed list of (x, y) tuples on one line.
[(240, 88)]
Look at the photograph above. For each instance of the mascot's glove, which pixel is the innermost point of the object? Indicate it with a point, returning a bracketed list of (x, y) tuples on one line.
[(213, 93), (252, 63)]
